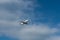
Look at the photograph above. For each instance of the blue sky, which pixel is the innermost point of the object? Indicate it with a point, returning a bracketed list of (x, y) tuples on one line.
[(44, 17), (50, 10)]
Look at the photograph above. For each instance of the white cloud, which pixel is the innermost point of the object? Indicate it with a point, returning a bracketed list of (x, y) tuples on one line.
[(8, 1), (4, 14), (36, 32), (29, 32), (20, 8)]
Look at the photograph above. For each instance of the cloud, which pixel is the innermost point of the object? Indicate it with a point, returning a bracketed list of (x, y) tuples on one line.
[(36, 32), (8, 23), (7, 1), (4, 14), (29, 32), (54, 38), (23, 9)]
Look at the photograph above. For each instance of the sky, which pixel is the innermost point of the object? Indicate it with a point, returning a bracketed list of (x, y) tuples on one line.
[(43, 16)]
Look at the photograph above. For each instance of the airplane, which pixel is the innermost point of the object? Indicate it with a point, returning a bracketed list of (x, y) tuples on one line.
[(24, 22)]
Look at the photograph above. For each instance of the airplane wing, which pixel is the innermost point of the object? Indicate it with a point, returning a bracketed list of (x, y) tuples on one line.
[(26, 21)]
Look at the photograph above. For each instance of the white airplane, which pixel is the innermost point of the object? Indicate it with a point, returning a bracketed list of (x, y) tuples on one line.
[(24, 22)]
